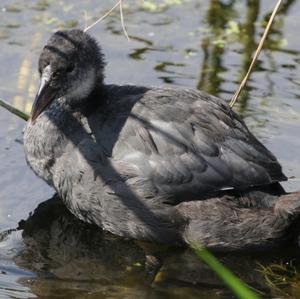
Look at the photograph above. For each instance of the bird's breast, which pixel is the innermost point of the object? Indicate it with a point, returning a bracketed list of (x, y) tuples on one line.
[(43, 145)]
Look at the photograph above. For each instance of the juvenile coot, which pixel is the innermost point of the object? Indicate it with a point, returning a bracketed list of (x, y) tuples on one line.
[(162, 165)]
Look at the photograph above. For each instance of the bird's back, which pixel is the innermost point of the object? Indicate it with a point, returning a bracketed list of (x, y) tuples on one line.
[(183, 142)]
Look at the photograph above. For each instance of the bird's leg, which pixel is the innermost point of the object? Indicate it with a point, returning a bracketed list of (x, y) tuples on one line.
[(153, 264), (153, 259)]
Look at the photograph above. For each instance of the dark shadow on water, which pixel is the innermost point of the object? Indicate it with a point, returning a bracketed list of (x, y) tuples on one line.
[(59, 240), (72, 258)]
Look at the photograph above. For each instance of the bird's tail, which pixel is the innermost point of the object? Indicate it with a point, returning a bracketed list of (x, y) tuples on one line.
[(288, 206), (221, 224)]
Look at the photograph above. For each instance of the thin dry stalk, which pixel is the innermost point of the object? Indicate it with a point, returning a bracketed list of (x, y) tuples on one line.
[(85, 18), (120, 4), (122, 20), (234, 98)]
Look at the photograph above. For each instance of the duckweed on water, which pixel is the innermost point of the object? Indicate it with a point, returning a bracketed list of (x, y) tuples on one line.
[(153, 6)]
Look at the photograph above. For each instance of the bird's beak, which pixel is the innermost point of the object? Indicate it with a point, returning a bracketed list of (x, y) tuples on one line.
[(45, 94)]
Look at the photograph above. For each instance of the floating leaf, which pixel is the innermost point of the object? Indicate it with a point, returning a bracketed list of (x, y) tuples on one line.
[(41, 5), (232, 28), (13, 25), (51, 21), (68, 7), (13, 8), (3, 34), (149, 5), (72, 23)]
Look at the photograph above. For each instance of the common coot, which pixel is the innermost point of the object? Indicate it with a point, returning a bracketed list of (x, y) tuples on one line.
[(166, 165)]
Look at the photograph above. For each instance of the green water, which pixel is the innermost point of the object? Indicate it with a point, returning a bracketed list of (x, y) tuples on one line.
[(200, 44)]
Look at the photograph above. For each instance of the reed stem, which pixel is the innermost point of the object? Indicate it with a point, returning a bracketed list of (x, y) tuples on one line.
[(14, 110)]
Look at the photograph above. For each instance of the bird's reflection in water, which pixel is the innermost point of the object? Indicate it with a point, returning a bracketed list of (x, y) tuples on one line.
[(72, 257), (70, 249)]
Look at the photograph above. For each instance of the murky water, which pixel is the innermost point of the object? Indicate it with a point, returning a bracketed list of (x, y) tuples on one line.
[(201, 44)]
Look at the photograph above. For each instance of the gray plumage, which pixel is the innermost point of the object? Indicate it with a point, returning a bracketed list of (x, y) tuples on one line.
[(156, 164)]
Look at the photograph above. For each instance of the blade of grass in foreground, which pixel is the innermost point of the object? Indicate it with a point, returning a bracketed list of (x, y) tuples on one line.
[(14, 110), (237, 286)]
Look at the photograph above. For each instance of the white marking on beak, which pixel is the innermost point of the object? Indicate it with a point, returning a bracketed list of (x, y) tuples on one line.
[(46, 75)]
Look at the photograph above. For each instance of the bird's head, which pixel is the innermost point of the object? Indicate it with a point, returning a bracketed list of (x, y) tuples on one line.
[(70, 65)]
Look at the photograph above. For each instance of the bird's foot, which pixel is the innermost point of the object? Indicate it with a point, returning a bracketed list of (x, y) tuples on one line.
[(152, 266)]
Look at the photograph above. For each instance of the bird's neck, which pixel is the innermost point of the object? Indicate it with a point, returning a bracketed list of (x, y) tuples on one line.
[(46, 138), (60, 124), (83, 103)]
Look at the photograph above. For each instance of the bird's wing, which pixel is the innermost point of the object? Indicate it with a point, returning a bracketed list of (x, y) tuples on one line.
[(189, 143)]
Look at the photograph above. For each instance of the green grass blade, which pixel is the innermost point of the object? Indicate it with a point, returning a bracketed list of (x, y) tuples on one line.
[(14, 110), (237, 286)]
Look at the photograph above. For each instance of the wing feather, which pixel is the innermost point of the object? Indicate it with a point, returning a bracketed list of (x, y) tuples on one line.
[(188, 142)]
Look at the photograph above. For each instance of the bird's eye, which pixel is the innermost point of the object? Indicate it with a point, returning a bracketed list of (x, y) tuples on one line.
[(56, 74), (70, 68)]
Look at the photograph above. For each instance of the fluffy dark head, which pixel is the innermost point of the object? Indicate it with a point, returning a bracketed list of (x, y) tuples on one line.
[(76, 63)]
